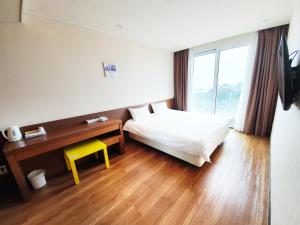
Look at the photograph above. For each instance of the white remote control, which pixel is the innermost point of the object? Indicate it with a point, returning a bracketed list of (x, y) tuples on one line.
[(103, 118), (100, 118), (92, 120)]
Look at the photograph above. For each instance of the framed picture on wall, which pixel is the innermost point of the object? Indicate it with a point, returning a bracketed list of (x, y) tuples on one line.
[(110, 69)]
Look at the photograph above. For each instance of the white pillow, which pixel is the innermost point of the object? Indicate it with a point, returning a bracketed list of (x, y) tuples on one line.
[(160, 108), (140, 113)]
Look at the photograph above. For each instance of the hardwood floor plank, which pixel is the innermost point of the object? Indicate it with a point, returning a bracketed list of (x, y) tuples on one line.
[(145, 186)]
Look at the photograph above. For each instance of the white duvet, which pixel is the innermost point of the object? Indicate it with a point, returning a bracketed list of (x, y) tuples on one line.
[(192, 133)]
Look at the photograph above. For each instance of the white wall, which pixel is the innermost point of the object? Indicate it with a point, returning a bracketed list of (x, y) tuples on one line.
[(50, 70), (10, 10), (285, 149)]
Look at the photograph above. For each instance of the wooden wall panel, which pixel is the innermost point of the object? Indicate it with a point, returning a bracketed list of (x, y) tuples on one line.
[(122, 114)]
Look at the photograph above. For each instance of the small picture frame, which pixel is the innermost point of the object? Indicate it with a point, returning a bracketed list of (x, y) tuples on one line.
[(110, 69)]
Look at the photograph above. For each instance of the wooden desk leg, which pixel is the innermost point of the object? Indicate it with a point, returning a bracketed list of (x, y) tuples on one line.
[(122, 145), (121, 141), (19, 176)]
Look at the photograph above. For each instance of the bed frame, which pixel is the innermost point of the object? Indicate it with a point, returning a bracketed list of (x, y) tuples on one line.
[(192, 159)]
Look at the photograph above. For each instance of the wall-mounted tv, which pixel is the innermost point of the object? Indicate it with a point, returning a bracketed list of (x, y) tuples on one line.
[(288, 76)]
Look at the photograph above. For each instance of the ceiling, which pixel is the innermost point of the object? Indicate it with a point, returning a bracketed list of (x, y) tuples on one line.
[(167, 24)]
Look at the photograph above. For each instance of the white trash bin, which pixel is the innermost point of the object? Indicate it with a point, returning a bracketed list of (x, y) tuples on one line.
[(37, 178)]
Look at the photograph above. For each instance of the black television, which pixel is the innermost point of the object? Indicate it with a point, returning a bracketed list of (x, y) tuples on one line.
[(288, 76)]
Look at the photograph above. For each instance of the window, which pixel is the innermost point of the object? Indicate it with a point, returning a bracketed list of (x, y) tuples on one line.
[(203, 82), (217, 80)]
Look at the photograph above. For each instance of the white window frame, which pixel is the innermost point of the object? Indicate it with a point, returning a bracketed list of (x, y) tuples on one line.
[(216, 48)]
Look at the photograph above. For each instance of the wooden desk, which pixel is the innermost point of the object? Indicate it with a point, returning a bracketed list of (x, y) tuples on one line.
[(54, 140)]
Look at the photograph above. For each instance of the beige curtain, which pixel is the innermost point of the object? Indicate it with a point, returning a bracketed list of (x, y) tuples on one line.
[(181, 59), (264, 88)]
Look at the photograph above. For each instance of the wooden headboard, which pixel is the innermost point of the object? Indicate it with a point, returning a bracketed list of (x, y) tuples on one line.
[(121, 114)]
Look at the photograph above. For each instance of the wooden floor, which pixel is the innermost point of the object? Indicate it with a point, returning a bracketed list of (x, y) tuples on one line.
[(145, 186)]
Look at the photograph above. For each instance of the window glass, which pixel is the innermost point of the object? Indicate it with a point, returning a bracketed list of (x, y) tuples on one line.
[(203, 83), (218, 92), (232, 69)]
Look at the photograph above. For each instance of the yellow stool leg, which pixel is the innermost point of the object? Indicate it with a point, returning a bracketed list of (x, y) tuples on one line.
[(67, 162), (106, 157), (96, 155), (74, 172)]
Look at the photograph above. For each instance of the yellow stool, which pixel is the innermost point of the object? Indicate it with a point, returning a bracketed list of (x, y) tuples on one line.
[(82, 149)]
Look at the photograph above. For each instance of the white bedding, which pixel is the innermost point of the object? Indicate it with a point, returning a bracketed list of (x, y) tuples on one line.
[(193, 133)]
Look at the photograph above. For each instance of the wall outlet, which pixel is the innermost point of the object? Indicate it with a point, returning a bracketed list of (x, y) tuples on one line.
[(3, 170)]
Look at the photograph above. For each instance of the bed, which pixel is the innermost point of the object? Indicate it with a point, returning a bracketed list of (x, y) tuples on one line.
[(191, 137)]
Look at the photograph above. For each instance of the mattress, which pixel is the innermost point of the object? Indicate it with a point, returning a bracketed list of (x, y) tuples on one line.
[(188, 134), (195, 160)]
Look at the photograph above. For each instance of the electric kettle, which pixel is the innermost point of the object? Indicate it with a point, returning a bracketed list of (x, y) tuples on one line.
[(12, 134)]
